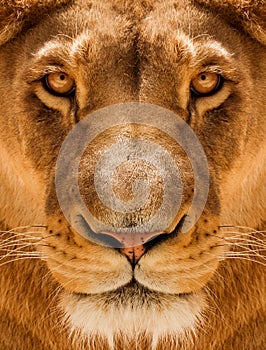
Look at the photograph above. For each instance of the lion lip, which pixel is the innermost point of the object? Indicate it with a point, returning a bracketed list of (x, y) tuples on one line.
[(134, 288)]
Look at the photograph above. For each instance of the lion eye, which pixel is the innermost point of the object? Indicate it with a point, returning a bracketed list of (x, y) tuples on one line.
[(59, 84), (206, 84)]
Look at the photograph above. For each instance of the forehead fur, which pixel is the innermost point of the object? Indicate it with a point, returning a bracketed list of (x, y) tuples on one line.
[(246, 15), (249, 15), (19, 14)]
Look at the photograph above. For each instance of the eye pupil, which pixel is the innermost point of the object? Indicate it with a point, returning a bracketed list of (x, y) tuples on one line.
[(59, 84), (206, 84)]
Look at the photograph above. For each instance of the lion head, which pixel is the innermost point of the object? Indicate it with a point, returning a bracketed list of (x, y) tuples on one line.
[(132, 173)]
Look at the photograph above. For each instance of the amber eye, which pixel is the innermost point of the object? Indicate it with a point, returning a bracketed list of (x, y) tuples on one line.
[(206, 84), (59, 84)]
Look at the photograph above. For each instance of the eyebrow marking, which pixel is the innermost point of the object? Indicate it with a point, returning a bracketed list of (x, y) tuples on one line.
[(48, 48)]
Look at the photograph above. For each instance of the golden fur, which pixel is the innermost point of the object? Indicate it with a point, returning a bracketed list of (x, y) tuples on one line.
[(203, 290)]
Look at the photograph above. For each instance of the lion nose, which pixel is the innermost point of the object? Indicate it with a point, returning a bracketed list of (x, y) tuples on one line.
[(134, 253), (133, 187), (132, 245)]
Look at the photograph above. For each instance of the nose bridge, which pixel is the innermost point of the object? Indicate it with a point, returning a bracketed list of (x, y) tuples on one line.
[(131, 66), (114, 76), (129, 180)]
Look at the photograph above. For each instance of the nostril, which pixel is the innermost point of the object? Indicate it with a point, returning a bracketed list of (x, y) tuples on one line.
[(134, 253)]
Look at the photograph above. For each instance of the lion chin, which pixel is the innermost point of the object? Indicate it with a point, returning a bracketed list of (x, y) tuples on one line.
[(131, 313)]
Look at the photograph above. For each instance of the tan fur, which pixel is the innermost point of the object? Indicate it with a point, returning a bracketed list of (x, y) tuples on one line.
[(202, 290), (247, 14)]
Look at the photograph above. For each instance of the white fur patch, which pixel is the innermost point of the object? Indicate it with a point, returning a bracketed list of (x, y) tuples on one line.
[(130, 312)]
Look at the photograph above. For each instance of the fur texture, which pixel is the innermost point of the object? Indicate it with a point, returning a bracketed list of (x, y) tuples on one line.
[(202, 290), (20, 14), (247, 14)]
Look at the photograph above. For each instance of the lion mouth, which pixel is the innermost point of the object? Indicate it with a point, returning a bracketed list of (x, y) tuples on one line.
[(132, 291)]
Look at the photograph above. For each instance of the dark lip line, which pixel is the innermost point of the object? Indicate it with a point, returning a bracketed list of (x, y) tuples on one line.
[(165, 236), (127, 286), (96, 236)]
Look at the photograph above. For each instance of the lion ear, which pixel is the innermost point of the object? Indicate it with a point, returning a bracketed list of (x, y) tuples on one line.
[(17, 15), (246, 15)]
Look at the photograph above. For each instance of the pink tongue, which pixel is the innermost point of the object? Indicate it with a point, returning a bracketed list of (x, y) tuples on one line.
[(134, 253)]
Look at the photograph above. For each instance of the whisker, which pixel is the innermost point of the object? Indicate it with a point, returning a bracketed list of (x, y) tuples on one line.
[(21, 255), (245, 253), (241, 241), (22, 228), (247, 228), (247, 238), (20, 234), (251, 242), (254, 235), (249, 246), (212, 296), (48, 274), (244, 258), (17, 259), (12, 252), (14, 242)]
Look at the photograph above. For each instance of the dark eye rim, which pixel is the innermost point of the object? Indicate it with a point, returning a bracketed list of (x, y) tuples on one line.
[(48, 88), (217, 88)]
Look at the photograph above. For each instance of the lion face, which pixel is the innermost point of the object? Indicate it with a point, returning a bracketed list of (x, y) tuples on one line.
[(88, 57)]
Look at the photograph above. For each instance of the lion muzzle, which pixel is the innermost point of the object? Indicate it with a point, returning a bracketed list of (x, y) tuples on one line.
[(125, 173)]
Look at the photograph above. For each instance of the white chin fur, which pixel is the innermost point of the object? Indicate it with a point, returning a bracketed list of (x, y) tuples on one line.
[(127, 313)]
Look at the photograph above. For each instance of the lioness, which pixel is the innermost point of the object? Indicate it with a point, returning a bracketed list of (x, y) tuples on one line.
[(71, 280)]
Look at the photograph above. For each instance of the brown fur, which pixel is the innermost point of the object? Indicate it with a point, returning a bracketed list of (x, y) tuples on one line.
[(133, 51)]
